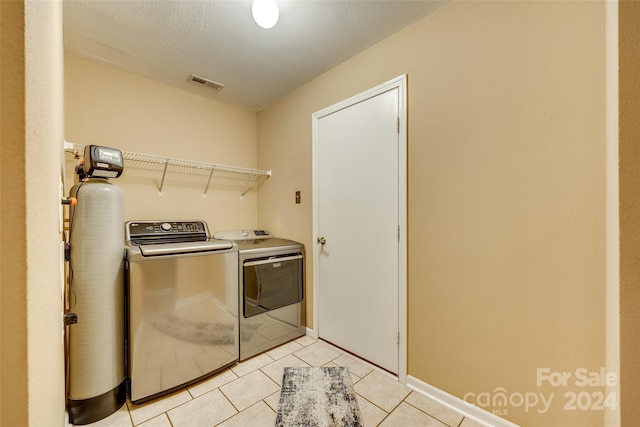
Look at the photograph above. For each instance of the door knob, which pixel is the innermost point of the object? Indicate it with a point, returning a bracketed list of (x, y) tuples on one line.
[(321, 240)]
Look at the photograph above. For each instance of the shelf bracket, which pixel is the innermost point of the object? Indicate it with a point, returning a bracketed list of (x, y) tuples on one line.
[(208, 182), (164, 174), (246, 184)]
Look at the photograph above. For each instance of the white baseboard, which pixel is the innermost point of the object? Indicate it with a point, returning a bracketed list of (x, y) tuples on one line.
[(311, 333), (477, 414)]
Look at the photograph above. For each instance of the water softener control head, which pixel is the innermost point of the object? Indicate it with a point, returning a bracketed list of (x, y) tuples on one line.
[(103, 162)]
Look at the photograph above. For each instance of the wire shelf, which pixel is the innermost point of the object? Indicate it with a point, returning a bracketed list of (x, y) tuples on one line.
[(151, 161)]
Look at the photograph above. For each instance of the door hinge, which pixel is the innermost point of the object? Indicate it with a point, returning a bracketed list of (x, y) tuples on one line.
[(398, 234), (70, 319), (398, 125), (398, 337)]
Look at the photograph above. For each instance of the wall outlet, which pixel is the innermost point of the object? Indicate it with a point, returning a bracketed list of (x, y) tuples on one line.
[(297, 197)]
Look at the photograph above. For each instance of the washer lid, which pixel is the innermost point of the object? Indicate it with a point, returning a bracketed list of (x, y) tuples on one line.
[(185, 247), (268, 246)]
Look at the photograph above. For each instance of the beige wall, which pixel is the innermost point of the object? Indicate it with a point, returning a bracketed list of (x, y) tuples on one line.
[(32, 368), (13, 248), (105, 106), (44, 169), (506, 191), (629, 93)]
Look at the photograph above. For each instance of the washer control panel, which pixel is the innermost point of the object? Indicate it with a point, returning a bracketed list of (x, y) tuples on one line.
[(242, 234), (169, 231)]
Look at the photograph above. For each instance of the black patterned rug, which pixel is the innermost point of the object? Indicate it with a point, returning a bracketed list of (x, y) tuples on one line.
[(318, 397)]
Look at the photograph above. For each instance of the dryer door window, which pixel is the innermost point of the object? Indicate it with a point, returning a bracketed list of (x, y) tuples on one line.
[(272, 283)]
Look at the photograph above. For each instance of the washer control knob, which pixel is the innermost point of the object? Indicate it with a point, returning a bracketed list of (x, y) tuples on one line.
[(165, 226)]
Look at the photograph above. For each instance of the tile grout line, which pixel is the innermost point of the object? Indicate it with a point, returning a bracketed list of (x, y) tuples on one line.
[(377, 406), (377, 369), (426, 413), (372, 370), (228, 400)]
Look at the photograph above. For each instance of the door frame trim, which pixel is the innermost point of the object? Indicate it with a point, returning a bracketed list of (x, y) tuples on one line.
[(399, 83)]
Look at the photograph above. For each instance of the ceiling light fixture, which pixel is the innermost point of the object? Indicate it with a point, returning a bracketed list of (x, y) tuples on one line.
[(265, 13)]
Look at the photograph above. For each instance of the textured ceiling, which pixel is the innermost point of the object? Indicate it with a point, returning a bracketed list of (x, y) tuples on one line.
[(169, 40)]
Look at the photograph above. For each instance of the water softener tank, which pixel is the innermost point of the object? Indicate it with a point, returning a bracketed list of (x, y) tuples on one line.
[(96, 383)]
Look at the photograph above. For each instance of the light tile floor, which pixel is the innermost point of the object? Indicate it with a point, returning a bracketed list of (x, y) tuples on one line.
[(247, 394)]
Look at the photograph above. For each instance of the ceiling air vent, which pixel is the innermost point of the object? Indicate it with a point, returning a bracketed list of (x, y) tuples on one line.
[(205, 82)]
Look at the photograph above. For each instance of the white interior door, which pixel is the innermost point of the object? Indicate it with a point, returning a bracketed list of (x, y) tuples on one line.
[(358, 217)]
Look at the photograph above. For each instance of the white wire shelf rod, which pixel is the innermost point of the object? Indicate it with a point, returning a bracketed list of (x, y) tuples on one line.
[(172, 161)]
